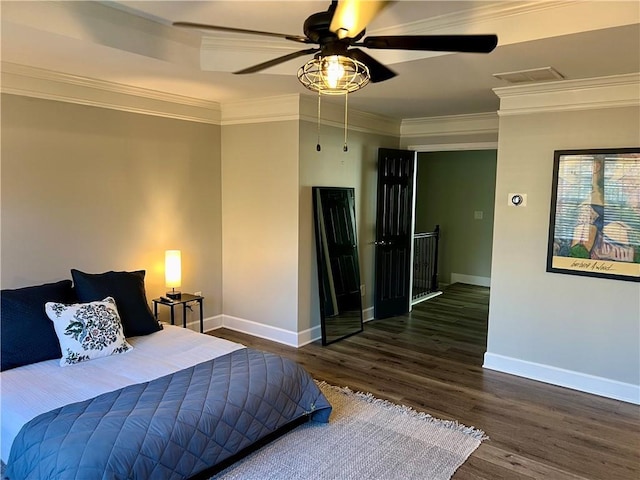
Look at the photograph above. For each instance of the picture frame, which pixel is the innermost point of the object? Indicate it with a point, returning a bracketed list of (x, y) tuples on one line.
[(594, 225)]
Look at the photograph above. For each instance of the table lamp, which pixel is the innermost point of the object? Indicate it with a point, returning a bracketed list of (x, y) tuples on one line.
[(172, 272)]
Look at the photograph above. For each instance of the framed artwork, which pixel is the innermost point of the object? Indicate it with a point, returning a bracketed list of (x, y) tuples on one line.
[(594, 229)]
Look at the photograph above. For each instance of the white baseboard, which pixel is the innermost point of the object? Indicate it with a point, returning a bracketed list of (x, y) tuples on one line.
[(275, 334), (309, 335), (471, 279), (261, 330), (367, 314), (583, 382), (208, 324)]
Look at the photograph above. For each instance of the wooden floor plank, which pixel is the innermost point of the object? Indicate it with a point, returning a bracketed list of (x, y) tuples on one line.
[(432, 359), (514, 463)]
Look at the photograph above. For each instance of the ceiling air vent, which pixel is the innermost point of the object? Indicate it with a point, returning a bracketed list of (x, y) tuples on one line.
[(543, 74)]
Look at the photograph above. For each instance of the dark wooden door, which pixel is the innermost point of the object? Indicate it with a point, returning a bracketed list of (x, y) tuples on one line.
[(394, 220)]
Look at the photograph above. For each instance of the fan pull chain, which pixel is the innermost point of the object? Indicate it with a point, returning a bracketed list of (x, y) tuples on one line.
[(345, 148), (318, 148)]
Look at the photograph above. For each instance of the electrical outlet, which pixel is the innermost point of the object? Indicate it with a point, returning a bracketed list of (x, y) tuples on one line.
[(198, 294)]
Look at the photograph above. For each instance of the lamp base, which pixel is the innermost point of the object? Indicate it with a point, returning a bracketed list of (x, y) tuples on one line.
[(173, 295)]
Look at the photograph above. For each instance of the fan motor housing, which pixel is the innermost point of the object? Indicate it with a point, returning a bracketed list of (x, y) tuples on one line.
[(316, 28)]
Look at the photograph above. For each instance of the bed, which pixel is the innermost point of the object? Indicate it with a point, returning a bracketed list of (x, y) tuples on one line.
[(176, 405)]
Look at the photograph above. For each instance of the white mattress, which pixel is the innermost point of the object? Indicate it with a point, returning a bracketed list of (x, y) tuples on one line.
[(28, 391)]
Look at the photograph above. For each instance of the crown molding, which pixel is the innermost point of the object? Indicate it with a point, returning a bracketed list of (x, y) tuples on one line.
[(473, 16), (570, 95), (304, 108), (453, 147), (448, 125), (51, 85), (261, 110)]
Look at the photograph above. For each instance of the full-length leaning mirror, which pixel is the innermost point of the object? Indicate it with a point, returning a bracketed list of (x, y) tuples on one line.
[(338, 266)]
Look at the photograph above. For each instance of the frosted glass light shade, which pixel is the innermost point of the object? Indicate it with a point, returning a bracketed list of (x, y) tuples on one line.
[(172, 268)]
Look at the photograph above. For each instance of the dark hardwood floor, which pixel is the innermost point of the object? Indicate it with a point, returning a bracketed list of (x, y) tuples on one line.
[(431, 360)]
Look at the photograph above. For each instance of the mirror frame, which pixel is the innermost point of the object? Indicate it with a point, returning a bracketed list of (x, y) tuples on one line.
[(322, 271)]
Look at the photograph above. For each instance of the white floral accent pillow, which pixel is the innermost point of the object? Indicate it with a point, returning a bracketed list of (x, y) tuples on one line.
[(87, 330)]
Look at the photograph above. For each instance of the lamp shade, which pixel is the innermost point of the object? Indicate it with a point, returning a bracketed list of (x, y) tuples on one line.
[(172, 268)]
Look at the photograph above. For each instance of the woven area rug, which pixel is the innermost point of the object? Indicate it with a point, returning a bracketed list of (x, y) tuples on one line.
[(366, 438)]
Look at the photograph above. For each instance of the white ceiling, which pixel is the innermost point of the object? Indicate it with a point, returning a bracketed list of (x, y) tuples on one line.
[(133, 43)]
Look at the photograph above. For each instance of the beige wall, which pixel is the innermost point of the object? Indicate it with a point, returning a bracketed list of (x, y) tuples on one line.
[(589, 326), (98, 189), (332, 167), (260, 224)]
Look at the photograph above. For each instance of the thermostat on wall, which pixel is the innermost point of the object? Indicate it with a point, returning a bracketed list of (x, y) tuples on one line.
[(517, 200)]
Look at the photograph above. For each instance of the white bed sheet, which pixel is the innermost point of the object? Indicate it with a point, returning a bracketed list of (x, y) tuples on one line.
[(29, 391)]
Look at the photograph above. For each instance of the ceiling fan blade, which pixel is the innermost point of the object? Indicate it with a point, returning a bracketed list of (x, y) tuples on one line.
[(352, 16), (438, 43), (379, 72), (277, 61), (295, 38)]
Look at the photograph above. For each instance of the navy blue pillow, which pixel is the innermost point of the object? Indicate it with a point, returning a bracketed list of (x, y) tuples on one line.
[(127, 289), (27, 335)]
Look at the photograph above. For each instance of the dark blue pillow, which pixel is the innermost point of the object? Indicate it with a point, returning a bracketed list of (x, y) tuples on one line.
[(27, 335), (127, 289)]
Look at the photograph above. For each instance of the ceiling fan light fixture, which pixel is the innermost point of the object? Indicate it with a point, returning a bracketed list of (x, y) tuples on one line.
[(334, 75)]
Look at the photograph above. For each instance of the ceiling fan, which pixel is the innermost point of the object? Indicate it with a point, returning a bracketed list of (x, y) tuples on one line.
[(342, 27)]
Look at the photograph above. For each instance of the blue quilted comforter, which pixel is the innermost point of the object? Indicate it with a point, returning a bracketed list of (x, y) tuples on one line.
[(172, 427)]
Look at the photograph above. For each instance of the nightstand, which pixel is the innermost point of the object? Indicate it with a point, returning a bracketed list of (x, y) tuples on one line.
[(184, 300)]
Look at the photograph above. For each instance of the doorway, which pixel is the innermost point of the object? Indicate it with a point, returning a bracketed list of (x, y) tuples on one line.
[(456, 190)]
